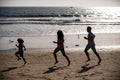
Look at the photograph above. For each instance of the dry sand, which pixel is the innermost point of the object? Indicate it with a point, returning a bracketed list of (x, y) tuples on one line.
[(40, 65)]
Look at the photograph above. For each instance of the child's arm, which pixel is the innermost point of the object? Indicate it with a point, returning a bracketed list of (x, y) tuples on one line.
[(16, 45), (24, 47)]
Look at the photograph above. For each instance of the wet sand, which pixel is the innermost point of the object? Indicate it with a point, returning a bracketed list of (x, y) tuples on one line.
[(71, 41)]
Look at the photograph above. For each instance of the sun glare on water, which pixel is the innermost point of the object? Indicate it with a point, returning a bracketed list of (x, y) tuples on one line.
[(110, 11)]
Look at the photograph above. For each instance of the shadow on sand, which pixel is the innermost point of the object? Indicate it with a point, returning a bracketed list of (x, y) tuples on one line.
[(12, 68), (86, 68), (9, 69), (53, 69)]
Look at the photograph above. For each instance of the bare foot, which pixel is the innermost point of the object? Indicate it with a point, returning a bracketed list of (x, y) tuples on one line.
[(69, 63), (88, 60), (56, 62), (99, 62), (18, 59), (25, 62)]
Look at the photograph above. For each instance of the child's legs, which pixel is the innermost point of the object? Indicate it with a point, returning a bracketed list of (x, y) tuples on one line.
[(21, 55), (17, 54), (86, 51), (55, 56)]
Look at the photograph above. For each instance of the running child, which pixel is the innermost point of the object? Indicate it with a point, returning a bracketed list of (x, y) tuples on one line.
[(21, 49)]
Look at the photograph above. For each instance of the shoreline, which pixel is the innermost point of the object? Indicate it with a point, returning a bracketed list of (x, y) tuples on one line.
[(71, 41), (51, 50)]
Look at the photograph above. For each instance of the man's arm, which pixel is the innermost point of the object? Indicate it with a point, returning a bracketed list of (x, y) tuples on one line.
[(85, 38)]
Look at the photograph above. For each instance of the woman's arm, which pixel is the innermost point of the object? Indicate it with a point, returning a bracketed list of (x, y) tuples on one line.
[(54, 42)]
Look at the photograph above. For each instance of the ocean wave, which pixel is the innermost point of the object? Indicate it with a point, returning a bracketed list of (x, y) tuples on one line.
[(37, 15), (60, 21)]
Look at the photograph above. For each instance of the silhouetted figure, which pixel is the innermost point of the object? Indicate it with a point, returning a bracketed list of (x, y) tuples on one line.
[(60, 46), (20, 51), (91, 44)]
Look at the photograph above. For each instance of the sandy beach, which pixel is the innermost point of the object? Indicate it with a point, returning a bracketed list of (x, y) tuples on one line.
[(38, 27), (40, 65)]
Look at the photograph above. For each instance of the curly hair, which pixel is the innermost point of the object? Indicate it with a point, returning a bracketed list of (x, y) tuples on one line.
[(20, 40)]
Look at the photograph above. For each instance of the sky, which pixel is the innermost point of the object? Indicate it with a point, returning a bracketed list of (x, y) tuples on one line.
[(79, 3)]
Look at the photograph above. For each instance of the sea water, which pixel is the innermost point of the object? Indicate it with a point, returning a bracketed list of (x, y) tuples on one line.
[(38, 26)]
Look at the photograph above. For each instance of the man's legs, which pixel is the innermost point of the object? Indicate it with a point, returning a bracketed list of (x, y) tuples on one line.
[(86, 52), (94, 50)]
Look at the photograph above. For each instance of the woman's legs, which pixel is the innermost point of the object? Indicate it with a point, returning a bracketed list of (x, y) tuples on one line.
[(63, 52), (55, 56)]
